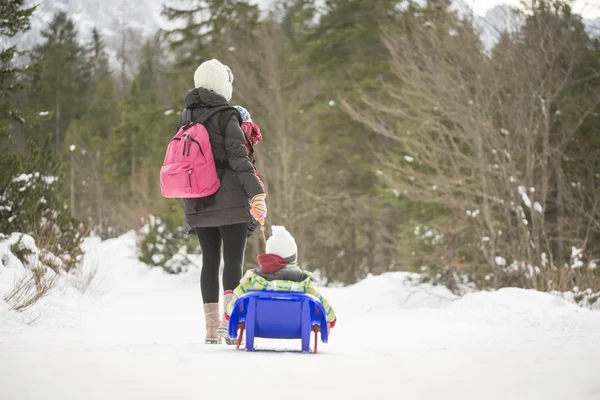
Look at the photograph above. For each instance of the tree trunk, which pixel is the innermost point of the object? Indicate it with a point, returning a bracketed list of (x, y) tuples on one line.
[(123, 63), (72, 187), (72, 183), (560, 214), (99, 194), (132, 158), (57, 128)]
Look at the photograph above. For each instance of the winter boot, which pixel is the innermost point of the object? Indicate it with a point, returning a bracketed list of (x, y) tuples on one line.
[(213, 319), (223, 330)]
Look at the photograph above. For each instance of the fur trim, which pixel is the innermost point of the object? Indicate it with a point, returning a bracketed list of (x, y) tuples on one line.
[(215, 76)]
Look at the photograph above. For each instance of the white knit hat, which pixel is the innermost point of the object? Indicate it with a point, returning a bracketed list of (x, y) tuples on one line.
[(214, 75), (282, 243)]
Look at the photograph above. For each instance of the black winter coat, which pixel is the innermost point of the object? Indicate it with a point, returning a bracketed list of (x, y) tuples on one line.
[(230, 204)]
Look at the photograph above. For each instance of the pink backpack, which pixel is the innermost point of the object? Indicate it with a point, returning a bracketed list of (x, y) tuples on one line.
[(188, 170)]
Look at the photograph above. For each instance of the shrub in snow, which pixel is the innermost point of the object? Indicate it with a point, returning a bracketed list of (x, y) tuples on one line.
[(160, 246), (30, 202), (436, 257), (564, 281), (586, 298), (35, 270)]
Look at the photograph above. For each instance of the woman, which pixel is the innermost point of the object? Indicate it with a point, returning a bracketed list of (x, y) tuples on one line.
[(223, 218)]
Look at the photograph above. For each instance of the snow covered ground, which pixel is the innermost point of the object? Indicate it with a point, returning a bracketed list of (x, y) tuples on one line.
[(137, 333)]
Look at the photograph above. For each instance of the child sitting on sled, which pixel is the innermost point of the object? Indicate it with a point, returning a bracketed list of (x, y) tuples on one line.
[(279, 271)]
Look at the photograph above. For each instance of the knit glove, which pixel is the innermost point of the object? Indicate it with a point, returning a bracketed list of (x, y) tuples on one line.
[(258, 208)]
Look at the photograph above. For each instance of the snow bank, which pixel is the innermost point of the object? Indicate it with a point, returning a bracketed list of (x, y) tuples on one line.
[(71, 293), (111, 267), (137, 332), (395, 291), (389, 292), (513, 300)]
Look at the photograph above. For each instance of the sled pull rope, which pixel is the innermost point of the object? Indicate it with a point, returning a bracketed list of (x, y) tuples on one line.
[(262, 230)]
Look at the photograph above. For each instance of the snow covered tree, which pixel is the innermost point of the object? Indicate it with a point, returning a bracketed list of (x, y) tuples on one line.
[(31, 203), (165, 246)]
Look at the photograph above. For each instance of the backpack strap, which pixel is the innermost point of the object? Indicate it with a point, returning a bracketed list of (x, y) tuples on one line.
[(225, 117), (186, 116), (223, 120), (222, 165), (207, 115)]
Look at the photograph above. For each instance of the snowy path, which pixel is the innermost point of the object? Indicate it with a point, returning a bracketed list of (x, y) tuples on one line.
[(138, 335)]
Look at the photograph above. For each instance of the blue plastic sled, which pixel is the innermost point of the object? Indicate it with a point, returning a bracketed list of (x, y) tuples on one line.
[(278, 315)]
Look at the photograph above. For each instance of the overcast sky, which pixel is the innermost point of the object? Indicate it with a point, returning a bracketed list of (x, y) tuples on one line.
[(588, 8)]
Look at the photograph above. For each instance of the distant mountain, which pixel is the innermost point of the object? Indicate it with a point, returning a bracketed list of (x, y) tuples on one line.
[(592, 26), (501, 19), (141, 19), (497, 20), (109, 16)]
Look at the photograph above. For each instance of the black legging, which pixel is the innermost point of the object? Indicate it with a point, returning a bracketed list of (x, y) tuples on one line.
[(234, 244)]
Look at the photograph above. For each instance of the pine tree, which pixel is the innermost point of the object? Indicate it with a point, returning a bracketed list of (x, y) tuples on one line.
[(15, 18), (298, 18), (348, 59), (61, 86), (87, 138), (98, 57), (31, 203), (141, 125), (211, 28)]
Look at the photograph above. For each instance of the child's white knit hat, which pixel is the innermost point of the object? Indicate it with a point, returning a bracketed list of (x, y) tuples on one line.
[(282, 243)]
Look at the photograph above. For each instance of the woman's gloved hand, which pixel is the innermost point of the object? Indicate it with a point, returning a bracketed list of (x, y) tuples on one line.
[(252, 225), (258, 208)]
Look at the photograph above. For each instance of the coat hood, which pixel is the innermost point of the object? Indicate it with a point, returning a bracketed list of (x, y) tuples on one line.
[(200, 97)]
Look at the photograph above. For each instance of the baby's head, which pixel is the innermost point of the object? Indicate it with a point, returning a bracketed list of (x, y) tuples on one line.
[(244, 113), (282, 243)]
